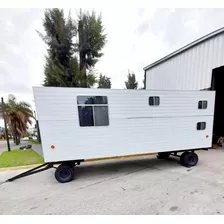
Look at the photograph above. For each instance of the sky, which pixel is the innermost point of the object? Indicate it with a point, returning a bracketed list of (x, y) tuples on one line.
[(135, 38)]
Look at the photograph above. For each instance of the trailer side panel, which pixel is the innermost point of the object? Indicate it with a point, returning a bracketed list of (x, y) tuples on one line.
[(124, 124)]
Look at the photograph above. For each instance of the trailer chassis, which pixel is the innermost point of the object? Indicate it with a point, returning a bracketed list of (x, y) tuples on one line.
[(65, 171)]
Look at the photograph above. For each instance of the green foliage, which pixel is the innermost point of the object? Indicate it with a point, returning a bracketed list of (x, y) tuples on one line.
[(131, 83), (20, 158), (59, 33), (18, 116), (67, 62), (58, 75), (91, 38), (104, 82)]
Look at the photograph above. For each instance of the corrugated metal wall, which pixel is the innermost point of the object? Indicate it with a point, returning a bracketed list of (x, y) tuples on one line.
[(189, 70)]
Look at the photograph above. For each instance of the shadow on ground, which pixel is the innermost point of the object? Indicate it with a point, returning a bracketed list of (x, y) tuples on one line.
[(106, 167)]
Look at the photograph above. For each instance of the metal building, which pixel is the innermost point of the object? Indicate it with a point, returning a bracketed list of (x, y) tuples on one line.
[(189, 68), (197, 66)]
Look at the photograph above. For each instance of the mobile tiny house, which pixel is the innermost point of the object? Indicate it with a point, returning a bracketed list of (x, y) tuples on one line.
[(78, 124), (196, 66)]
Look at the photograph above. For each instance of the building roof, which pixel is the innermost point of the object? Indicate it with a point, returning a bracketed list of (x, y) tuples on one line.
[(186, 47)]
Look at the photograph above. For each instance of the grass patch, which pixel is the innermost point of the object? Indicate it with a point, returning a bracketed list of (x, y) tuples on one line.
[(34, 142), (20, 158)]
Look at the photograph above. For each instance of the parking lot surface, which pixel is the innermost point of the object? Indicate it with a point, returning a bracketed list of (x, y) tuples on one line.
[(141, 185)]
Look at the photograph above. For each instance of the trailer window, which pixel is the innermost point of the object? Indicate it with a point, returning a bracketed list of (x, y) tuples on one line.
[(101, 116), (91, 99), (85, 116), (201, 125), (154, 100), (93, 111), (202, 104)]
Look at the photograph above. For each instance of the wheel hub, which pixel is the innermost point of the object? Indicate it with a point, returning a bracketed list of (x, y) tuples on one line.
[(191, 159), (65, 173)]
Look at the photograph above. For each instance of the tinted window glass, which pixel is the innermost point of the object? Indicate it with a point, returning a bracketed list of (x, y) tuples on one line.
[(101, 116), (154, 100), (90, 111), (157, 100), (100, 100), (84, 100), (151, 101), (91, 99), (202, 104), (85, 116), (201, 125)]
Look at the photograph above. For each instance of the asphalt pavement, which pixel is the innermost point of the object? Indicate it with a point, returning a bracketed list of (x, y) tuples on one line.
[(3, 145), (142, 185)]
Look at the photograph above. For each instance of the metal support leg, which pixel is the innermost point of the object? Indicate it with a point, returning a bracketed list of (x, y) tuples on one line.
[(45, 166), (175, 155)]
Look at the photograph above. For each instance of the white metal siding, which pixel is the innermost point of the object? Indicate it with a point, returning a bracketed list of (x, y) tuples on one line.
[(190, 69), (134, 126)]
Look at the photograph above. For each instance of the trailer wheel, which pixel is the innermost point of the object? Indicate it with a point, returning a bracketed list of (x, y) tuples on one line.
[(64, 173), (189, 159), (182, 158), (163, 155)]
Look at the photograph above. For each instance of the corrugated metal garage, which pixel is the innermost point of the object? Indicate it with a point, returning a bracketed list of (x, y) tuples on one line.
[(189, 68)]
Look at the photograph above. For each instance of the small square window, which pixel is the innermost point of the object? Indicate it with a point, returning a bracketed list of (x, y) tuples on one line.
[(202, 104), (201, 125), (154, 100)]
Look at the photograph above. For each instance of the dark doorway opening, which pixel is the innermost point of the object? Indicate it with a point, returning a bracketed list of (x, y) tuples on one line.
[(218, 85)]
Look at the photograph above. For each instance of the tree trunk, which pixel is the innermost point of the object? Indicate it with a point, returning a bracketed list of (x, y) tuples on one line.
[(82, 56), (17, 139), (82, 68), (13, 133)]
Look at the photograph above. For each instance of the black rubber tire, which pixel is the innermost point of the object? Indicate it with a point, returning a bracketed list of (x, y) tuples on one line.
[(182, 158), (189, 159), (64, 173), (163, 155)]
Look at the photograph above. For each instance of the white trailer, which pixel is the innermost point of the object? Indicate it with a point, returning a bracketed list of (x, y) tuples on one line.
[(79, 124)]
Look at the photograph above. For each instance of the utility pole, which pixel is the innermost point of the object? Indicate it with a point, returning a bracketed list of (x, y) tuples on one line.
[(6, 129)]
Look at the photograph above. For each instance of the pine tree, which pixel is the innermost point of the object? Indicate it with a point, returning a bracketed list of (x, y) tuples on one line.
[(131, 83), (104, 82), (65, 64)]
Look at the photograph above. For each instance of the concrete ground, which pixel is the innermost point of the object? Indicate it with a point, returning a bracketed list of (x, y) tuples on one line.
[(142, 185)]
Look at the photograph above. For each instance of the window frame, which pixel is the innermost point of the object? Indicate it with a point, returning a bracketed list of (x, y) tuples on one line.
[(93, 105), (154, 100), (201, 126), (202, 104)]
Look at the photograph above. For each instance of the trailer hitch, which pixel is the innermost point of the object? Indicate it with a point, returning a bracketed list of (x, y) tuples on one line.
[(37, 169)]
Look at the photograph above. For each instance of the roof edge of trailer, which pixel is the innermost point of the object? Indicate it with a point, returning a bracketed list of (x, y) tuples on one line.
[(124, 90), (188, 46)]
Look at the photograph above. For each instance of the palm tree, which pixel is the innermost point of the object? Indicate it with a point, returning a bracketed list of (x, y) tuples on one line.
[(18, 116)]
